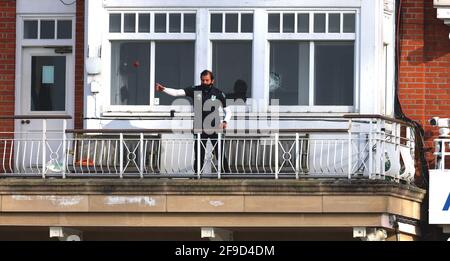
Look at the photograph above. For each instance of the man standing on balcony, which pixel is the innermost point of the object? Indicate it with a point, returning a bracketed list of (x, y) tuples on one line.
[(207, 100)]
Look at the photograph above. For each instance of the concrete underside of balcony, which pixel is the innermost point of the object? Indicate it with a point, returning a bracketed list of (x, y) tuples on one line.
[(188, 203)]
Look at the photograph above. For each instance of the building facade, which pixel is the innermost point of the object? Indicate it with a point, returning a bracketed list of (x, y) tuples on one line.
[(314, 151)]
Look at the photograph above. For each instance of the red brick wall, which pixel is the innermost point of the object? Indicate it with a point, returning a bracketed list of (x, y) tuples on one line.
[(79, 66), (7, 62), (424, 79)]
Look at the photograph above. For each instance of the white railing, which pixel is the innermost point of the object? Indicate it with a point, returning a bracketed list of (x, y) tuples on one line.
[(442, 153), (369, 146)]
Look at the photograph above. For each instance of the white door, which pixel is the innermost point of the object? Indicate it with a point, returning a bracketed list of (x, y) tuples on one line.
[(47, 90)]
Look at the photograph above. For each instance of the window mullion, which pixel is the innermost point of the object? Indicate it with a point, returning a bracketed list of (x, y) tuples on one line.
[(311, 72), (152, 73)]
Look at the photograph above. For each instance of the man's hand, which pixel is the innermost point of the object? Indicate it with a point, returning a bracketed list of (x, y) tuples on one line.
[(159, 87), (223, 125)]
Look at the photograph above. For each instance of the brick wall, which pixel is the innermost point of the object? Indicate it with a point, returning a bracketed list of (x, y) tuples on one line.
[(424, 79), (79, 66), (7, 62)]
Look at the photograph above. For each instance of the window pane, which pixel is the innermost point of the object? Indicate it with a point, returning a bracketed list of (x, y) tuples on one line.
[(48, 83), (319, 23), (129, 23), (334, 73), (189, 23), (160, 23), (174, 67), (231, 23), (144, 23), (114, 23), (274, 23), (232, 66), (289, 72), (303, 23), (64, 29), (246, 23), (334, 23), (349, 23), (130, 73), (47, 29), (216, 23), (30, 29), (288, 23), (174, 23)]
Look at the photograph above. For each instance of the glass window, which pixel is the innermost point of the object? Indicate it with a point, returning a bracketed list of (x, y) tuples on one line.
[(274, 23), (334, 73), (30, 29), (114, 23), (174, 67), (246, 23), (349, 23), (289, 72), (231, 23), (129, 25), (175, 23), (189, 23), (160, 23), (130, 73), (232, 66), (48, 83), (334, 23), (64, 29), (288, 23), (47, 29), (216, 23), (319, 23), (144, 23), (303, 23)]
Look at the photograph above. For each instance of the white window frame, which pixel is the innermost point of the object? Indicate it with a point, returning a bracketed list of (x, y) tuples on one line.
[(45, 42), (151, 38), (311, 37), (203, 38)]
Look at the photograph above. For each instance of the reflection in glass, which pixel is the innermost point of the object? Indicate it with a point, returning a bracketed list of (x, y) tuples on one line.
[(114, 23), (64, 29), (303, 23), (174, 23), (47, 29), (334, 73), (289, 72), (160, 23), (334, 23), (189, 23), (319, 23), (144, 23), (30, 29), (130, 73), (231, 23), (232, 61), (129, 25), (216, 23), (349, 23), (288, 23), (174, 67), (274, 23), (48, 83), (246, 23)]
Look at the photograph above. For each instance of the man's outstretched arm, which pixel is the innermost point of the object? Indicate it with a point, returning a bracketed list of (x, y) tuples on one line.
[(170, 91)]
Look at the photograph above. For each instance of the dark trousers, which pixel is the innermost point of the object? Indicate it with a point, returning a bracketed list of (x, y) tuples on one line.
[(203, 141)]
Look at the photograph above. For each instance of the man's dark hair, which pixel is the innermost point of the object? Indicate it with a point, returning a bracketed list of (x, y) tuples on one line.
[(207, 72)]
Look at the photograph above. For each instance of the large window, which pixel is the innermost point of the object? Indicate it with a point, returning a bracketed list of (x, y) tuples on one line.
[(312, 60), (232, 64), (174, 67), (130, 73)]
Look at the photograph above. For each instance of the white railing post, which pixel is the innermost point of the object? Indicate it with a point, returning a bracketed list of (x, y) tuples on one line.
[(141, 153), (44, 141), (276, 155), (64, 153), (219, 157), (198, 155), (121, 155), (297, 155), (442, 163), (350, 148), (383, 149)]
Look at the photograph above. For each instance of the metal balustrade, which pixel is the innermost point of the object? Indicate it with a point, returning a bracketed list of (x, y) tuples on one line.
[(371, 146)]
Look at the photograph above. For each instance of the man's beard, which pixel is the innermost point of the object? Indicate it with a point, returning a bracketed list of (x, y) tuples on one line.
[(206, 85)]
